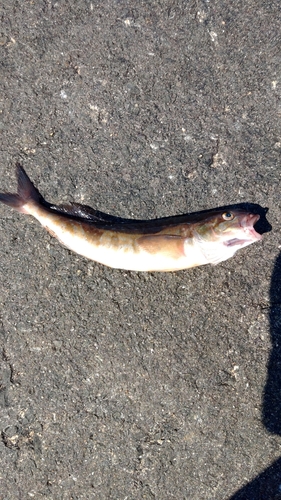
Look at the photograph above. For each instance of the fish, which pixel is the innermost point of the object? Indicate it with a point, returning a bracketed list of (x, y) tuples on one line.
[(165, 244)]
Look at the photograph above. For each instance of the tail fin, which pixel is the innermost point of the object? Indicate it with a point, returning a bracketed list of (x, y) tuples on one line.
[(26, 192)]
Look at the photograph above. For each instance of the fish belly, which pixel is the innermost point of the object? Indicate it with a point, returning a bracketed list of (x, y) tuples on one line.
[(120, 250)]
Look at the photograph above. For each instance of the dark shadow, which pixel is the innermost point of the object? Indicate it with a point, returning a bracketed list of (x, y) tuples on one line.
[(272, 391), (267, 486)]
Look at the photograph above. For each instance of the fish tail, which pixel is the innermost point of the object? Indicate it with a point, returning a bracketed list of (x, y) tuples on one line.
[(27, 193)]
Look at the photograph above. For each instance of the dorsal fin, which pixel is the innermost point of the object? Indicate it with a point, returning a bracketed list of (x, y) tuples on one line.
[(85, 212)]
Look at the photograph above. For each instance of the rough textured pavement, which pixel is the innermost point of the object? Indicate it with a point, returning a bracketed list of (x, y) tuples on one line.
[(119, 385)]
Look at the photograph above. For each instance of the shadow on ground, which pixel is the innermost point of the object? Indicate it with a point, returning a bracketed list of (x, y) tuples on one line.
[(267, 486)]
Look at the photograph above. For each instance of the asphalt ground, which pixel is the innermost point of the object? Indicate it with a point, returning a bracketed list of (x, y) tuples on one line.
[(122, 385)]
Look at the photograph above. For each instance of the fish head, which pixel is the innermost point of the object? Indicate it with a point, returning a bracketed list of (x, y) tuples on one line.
[(235, 228), (224, 232)]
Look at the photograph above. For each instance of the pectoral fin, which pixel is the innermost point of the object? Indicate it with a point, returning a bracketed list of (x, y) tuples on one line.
[(165, 245), (214, 252)]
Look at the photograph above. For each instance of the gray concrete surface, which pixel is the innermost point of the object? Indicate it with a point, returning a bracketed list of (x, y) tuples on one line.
[(119, 385)]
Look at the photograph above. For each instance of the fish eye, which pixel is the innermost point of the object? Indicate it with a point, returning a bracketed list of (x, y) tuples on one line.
[(228, 216)]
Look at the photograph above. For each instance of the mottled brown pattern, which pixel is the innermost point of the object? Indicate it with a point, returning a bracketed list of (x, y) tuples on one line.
[(172, 246), (90, 230), (108, 238)]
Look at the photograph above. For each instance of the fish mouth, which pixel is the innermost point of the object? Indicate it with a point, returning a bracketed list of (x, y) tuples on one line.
[(247, 223)]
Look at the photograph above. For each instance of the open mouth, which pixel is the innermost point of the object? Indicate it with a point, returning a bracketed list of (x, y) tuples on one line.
[(250, 234), (248, 223)]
